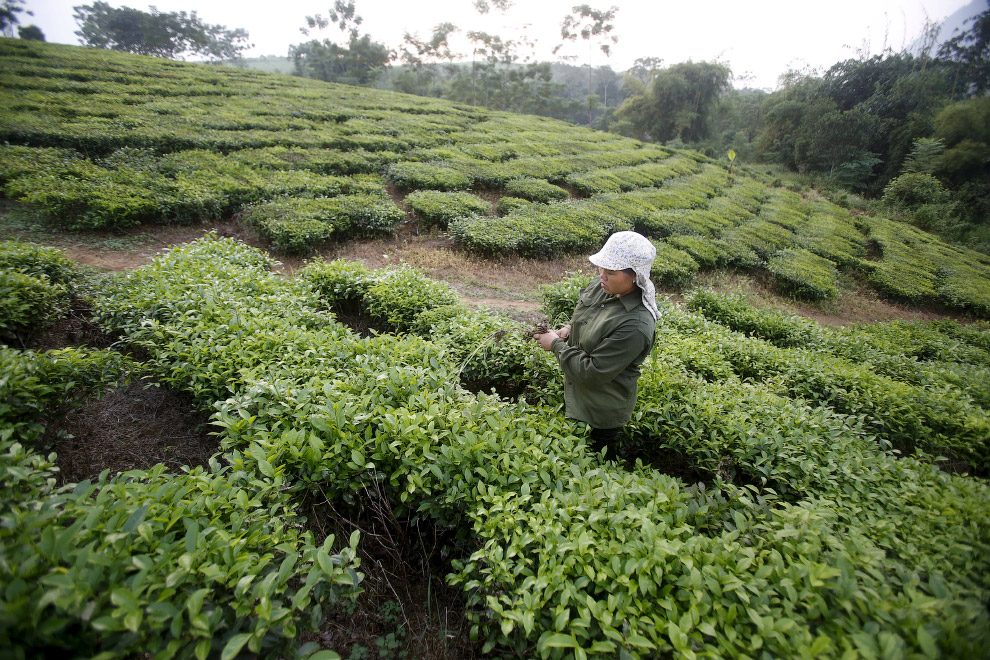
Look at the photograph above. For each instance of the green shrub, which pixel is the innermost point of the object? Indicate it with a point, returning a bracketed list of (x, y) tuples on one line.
[(507, 205), (300, 226), (340, 414), (152, 562), (706, 252), (36, 387), (38, 261), (28, 303), (413, 175), (672, 267), (560, 298), (339, 280), (804, 274), (437, 208), (913, 189), (401, 294), (535, 190)]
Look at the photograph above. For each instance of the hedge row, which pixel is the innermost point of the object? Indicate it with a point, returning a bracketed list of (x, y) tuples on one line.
[(937, 419), (297, 225), (36, 284), (205, 562), (568, 557), (928, 354)]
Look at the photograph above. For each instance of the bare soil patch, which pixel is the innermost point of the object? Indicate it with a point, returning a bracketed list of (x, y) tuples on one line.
[(134, 427)]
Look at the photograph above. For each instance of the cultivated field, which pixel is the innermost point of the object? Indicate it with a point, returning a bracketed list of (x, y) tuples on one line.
[(785, 489)]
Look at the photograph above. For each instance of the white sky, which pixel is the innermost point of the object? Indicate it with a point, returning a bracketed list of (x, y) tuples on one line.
[(759, 39)]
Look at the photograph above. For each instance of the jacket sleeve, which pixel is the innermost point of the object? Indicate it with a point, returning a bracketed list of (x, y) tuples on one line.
[(615, 352)]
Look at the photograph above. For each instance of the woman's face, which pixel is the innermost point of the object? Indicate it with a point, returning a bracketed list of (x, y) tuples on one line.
[(617, 282)]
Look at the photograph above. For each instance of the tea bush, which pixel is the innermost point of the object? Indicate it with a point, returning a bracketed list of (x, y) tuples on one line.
[(507, 205), (151, 562), (436, 208), (564, 552), (535, 190), (560, 298), (298, 225), (804, 274), (150, 142), (672, 267), (35, 387), (414, 175), (27, 304)]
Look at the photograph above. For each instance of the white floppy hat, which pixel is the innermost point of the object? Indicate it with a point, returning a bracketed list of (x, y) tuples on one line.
[(627, 249)]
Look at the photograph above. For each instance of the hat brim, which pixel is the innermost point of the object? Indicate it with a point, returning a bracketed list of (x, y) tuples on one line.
[(606, 261)]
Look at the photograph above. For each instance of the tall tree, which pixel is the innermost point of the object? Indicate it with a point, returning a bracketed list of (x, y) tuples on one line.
[(173, 35), (972, 50), (9, 10), (678, 102), (422, 59), (485, 6), (360, 62), (594, 26)]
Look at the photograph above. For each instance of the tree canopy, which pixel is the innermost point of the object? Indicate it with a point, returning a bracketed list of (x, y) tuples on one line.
[(677, 103), (173, 35)]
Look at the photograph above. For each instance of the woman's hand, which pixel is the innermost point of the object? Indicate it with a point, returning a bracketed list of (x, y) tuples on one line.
[(546, 339), (564, 332)]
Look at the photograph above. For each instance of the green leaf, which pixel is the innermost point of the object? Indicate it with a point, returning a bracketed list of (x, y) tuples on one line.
[(557, 640), (324, 655), (136, 518), (927, 643), (234, 646)]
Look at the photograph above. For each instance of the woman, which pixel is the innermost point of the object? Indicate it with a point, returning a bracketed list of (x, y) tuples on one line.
[(610, 334)]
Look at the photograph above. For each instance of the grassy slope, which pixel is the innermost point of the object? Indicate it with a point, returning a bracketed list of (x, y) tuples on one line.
[(862, 551), (108, 140)]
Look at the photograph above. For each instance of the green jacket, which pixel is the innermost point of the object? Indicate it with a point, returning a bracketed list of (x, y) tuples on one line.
[(610, 337)]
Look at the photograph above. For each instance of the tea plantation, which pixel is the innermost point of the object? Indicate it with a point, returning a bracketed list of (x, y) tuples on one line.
[(841, 508), (98, 139)]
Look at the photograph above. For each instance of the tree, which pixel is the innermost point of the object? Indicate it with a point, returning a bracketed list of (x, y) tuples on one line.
[(484, 6), (422, 59), (172, 35), (971, 49), (678, 103), (30, 33), (9, 11), (595, 27), (360, 62)]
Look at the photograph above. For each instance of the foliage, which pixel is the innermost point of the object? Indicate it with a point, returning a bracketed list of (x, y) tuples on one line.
[(438, 208), (972, 49), (156, 562), (38, 386), (117, 141), (673, 267), (9, 11), (170, 35), (804, 274), (507, 204), (35, 287), (677, 103), (402, 294), (853, 550), (299, 225), (535, 190), (560, 298)]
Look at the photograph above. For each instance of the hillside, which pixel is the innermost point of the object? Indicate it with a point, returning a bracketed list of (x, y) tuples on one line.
[(387, 470), (105, 140)]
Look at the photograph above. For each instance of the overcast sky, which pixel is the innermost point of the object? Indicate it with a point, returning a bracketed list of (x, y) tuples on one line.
[(759, 39)]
